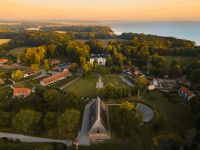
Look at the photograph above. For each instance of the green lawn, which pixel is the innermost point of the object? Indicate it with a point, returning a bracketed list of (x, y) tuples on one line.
[(114, 79), (177, 118), (18, 51), (85, 87)]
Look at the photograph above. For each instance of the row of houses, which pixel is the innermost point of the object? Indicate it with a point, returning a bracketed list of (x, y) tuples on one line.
[(55, 78), (25, 92)]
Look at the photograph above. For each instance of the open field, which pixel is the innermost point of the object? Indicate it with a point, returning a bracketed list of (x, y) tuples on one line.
[(18, 51), (85, 87), (177, 118), (113, 79), (4, 41)]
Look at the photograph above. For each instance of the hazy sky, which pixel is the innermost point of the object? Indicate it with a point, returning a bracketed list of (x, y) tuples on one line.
[(101, 9)]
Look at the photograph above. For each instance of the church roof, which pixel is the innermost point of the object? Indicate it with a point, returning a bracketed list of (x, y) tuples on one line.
[(98, 112)]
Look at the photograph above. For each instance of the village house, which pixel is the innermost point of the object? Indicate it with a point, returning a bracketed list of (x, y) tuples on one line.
[(99, 58), (1, 81), (184, 82), (185, 93), (98, 127), (3, 61), (61, 67), (21, 92), (54, 62), (56, 77)]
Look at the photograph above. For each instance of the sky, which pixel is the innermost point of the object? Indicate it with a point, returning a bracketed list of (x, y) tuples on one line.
[(129, 10)]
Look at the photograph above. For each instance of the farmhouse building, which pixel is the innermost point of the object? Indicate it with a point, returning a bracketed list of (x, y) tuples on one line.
[(99, 58), (3, 61), (98, 126), (21, 92), (56, 77), (185, 93), (61, 67)]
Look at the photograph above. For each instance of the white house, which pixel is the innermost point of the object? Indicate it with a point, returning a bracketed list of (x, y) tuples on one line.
[(100, 58)]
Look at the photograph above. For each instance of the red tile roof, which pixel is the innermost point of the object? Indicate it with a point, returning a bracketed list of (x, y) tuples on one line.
[(186, 91), (3, 60), (54, 78), (21, 92)]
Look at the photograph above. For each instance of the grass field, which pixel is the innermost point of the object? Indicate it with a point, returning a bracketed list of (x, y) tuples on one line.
[(4, 41), (85, 87), (113, 79), (18, 51), (184, 60), (177, 119)]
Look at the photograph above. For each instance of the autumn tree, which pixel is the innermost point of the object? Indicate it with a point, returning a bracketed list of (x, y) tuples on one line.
[(86, 66), (17, 75), (35, 67), (46, 65), (140, 84)]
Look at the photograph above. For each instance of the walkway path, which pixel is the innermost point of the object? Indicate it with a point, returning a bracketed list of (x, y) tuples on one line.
[(31, 139), (68, 84), (126, 81)]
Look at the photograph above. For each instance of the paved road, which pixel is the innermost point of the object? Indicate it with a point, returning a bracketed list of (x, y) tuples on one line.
[(126, 81), (31, 139), (68, 84)]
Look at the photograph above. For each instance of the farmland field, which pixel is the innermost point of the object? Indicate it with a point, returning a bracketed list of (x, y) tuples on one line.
[(4, 41)]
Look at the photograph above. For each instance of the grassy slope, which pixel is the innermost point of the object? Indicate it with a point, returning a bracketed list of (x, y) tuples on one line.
[(114, 79), (184, 60)]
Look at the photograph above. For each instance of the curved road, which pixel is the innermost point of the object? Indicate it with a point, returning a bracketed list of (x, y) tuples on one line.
[(31, 139)]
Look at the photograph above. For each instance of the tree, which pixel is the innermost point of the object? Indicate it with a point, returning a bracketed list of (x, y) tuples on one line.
[(52, 97), (35, 67), (141, 83), (46, 65), (86, 66), (68, 121), (127, 105), (5, 119), (26, 120), (49, 120), (17, 75), (51, 50), (126, 119)]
